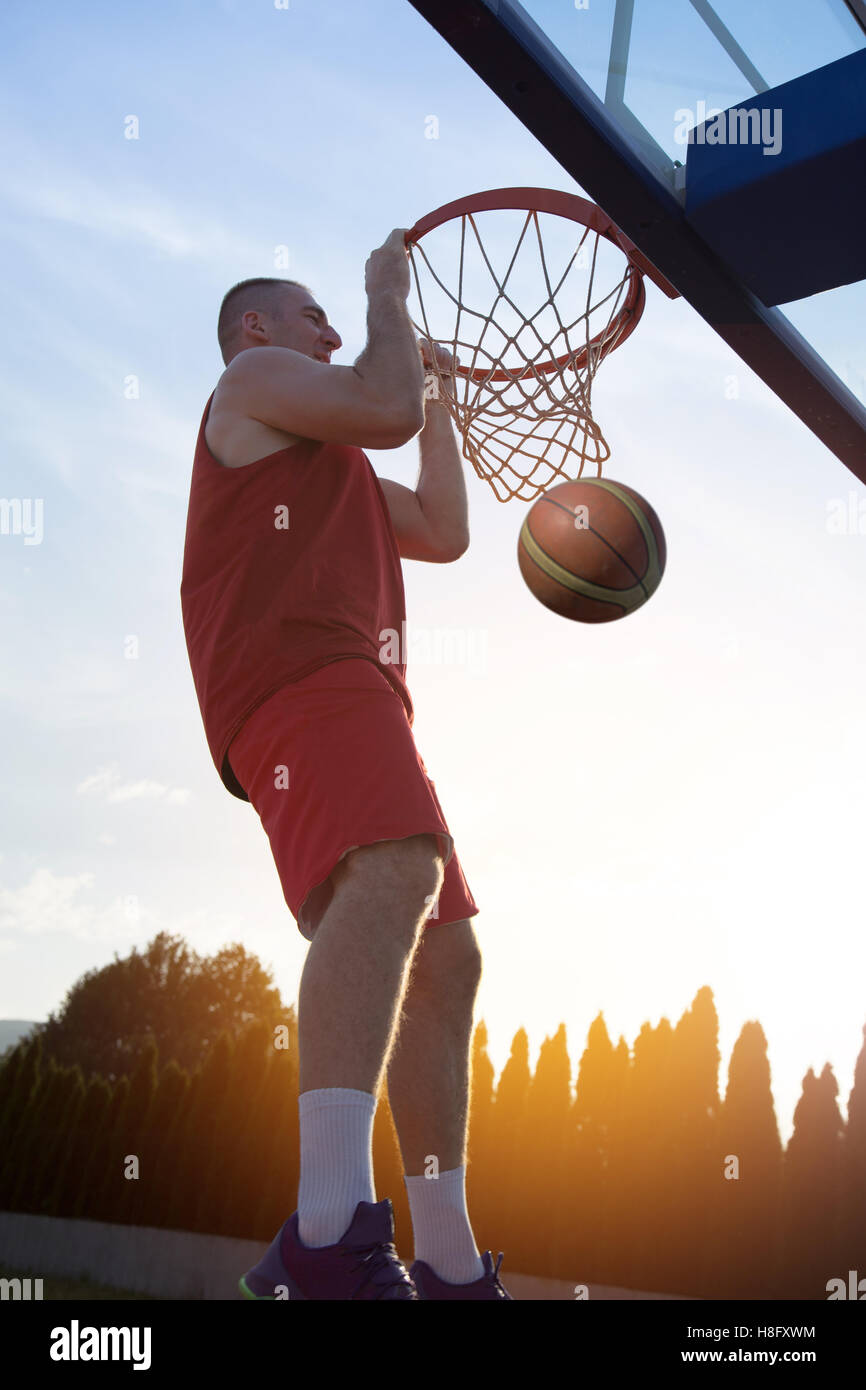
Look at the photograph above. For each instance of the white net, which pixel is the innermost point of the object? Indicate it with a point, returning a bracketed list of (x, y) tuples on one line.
[(521, 398)]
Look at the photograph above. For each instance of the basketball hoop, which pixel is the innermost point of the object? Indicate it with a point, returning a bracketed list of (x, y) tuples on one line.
[(522, 388)]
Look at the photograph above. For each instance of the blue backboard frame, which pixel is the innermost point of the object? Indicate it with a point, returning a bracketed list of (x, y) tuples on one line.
[(513, 56)]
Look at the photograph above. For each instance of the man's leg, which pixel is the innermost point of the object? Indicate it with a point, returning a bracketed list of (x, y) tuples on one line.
[(428, 1072), (353, 979), (356, 967), (428, 1090)]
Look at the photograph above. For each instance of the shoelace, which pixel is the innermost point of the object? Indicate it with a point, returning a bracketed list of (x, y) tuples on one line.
[(494, 1279), (375, 1259)]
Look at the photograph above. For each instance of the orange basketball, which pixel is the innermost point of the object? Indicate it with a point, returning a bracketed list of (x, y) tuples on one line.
[(592, 550)]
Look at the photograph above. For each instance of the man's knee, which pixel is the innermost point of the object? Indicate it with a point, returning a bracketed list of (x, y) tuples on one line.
[(448, 955)]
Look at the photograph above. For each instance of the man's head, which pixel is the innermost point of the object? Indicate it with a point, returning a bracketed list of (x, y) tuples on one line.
[(274, 313)]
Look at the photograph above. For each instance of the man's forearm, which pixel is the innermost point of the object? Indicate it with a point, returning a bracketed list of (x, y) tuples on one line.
[(441, 488), (390, 363)]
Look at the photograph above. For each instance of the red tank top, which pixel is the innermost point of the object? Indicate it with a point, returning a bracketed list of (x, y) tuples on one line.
[(289, 563)]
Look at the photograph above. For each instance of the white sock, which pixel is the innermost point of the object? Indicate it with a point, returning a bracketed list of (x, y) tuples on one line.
[(336, 1161), (440, 1224)]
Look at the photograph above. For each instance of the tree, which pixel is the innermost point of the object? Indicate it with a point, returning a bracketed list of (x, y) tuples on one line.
[(167, 995), (746, 1206), (813, 1187), (854, 1161), (511, 1143), (591, 1209)]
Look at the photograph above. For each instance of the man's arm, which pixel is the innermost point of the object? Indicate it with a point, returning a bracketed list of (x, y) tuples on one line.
[(390, 366), (377, 404), (432, 523)]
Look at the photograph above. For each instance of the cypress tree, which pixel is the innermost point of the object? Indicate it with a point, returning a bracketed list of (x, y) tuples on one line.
[(510, 1147), (853, 1242), (91, 1124), (812, 1190), (747, 1208)]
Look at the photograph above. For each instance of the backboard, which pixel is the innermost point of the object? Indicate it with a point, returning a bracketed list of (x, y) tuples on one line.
[(612, 89)]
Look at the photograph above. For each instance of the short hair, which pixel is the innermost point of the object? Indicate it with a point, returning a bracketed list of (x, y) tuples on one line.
[(264, 294)]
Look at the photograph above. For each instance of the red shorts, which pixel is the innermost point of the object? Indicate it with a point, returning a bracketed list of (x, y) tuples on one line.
[(342, 741)]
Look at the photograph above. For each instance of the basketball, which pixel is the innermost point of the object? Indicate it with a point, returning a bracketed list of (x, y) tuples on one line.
[(592, 550)]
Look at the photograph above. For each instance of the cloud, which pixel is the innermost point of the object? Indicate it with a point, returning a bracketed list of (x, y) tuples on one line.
[(47, 902), (128, 213), (61, 903), (50, 902), (107, 782)]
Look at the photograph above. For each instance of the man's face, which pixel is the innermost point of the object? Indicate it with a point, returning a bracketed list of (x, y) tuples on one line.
[(304, 326)]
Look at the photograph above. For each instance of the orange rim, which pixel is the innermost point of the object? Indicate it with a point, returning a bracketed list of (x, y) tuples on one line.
[(579, 210)]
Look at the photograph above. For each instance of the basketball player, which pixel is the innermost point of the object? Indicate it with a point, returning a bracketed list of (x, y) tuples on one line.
[(293, 608)]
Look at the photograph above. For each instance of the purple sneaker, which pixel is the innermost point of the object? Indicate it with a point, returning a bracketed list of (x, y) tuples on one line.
[(364, 1264), (429, 1285)]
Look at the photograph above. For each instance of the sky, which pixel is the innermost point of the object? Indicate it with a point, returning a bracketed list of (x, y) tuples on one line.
[(641, 808)]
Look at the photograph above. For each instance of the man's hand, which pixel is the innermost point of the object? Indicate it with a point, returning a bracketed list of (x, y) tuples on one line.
[(387, 268), (444, 360)]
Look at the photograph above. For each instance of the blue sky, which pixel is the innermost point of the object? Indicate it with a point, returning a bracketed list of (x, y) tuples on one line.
[(642, 808)]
